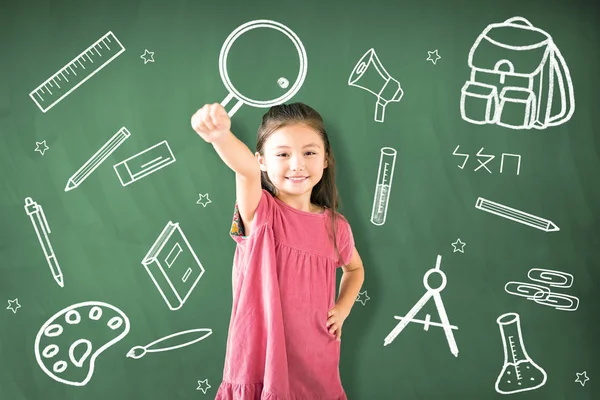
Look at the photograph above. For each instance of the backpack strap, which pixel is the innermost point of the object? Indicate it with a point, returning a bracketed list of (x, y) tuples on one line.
[(558, 67)]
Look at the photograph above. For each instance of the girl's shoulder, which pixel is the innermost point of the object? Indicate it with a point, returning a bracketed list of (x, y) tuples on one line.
[(341, 222), (338, 214), (262, 215)]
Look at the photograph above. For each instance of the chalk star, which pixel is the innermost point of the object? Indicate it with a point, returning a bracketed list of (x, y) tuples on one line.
[(200, 386), (205, 201), (431, 53), (149, 54), (38, 144), (457, 244), (361, 300), (12, 306), (584, 375)]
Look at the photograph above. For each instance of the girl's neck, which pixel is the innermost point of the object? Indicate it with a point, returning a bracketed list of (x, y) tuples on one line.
[(301, 203)]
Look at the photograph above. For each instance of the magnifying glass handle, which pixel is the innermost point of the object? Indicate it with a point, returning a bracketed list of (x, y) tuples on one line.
[(234, 108)]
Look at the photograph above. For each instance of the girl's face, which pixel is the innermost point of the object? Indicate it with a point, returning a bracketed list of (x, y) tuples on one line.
[(294, 151)]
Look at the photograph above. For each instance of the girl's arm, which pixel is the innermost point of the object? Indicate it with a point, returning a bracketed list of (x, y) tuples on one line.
[(237, 156), (248, 189), (351, 282), (213, 124)]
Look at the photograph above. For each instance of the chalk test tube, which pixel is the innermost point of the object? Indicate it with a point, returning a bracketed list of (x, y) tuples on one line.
[(387, 160)]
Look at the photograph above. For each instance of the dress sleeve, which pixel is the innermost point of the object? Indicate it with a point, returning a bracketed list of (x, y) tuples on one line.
[(263, 215), (346, 246)]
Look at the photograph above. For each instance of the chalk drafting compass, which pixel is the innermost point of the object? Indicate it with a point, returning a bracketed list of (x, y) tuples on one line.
[(435, 293)]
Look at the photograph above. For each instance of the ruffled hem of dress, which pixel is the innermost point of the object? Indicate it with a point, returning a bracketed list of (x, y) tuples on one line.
[(246, 391), (253, 391)]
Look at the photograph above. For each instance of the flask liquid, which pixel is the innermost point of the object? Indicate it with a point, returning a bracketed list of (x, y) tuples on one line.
[(519, 372)]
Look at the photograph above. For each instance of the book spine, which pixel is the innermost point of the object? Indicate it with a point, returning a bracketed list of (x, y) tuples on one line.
[(162, 284)]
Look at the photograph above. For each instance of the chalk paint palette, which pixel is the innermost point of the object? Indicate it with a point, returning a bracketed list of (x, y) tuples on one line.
[(67, 345)]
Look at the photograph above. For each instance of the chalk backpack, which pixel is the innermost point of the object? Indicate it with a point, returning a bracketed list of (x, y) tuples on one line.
[(519, 79)]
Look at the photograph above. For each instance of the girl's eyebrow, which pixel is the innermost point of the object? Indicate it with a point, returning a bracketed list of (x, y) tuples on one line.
[(308, 145)]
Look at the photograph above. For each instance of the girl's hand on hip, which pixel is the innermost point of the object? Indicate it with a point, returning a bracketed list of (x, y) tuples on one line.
[(335, 319)]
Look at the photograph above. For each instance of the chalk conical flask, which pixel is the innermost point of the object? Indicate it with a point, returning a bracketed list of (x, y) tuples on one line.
[(519, 372)]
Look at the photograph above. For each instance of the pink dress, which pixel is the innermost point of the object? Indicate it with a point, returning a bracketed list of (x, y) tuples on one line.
[(284, 282)]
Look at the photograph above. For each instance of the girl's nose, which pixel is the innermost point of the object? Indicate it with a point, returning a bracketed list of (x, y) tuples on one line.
[(296, 164)]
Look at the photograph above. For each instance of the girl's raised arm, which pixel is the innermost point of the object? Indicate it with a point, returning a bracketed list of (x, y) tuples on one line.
[(213, 125)]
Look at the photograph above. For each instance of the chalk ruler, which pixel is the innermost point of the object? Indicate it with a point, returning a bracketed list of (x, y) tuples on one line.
[(77, 71)]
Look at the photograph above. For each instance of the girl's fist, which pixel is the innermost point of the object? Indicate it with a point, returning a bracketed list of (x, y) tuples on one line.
[(211, 122)]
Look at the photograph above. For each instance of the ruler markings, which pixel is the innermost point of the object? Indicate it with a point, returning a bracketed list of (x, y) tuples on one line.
[(103, 55)]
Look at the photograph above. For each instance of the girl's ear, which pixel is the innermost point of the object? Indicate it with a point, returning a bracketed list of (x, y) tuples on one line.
[(261, 161)]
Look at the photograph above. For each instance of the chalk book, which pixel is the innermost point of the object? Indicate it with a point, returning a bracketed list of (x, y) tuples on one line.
[(173, 266)]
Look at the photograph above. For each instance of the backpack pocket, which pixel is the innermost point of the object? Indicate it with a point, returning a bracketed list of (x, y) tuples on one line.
[(517, 108), (478, 102)]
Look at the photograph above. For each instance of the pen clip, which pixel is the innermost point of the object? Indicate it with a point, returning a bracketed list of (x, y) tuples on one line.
[(43, 218)]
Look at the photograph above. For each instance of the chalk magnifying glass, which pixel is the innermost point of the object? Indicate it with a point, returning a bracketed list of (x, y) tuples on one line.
[(235, 94)]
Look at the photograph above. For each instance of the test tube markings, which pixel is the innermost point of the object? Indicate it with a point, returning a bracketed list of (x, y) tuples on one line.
[(384, 188), (383, 185)]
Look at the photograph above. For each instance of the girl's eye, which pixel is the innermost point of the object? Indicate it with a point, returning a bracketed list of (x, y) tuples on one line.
[(285, 154)]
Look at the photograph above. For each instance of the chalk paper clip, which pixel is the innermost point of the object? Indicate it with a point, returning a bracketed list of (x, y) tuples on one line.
[(557, 300), (527, 290), (550, 277), (541, 294)]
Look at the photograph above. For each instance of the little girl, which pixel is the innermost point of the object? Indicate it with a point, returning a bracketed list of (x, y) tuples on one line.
[(285, 328)]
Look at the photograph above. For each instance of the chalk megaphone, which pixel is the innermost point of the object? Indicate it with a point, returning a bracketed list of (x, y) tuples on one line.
[(369, 74)]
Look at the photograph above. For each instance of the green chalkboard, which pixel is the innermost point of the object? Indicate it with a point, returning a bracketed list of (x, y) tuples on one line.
[(461, 159)]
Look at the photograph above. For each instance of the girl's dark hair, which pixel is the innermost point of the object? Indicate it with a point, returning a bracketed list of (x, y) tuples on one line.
[(324, 193)]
